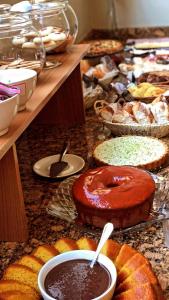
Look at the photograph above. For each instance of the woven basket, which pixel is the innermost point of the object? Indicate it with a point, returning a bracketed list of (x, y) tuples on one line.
[(154, 130)]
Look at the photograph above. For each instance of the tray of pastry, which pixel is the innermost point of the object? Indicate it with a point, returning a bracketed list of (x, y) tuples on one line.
[(103, 47)]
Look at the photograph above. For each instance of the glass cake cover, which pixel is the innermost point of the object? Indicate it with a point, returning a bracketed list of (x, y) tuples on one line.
[(16, 42)]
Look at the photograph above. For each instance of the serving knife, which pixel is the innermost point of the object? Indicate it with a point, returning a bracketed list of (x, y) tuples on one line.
[(57, 167)]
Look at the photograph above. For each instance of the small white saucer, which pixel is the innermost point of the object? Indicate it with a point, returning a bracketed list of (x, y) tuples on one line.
[(75, 164)]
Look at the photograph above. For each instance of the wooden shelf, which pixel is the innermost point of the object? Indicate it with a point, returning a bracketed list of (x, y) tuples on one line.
[(57, 99), (48, 84)]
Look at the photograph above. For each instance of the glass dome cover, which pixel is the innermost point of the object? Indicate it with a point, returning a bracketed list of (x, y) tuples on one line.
[(69, 12), (50, 19), (16, 50)]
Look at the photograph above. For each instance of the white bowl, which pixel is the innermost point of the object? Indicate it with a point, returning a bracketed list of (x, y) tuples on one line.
[(25, 79), (8, 109), (78, 254)]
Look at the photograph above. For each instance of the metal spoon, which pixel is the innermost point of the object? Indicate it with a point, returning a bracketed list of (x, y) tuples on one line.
[(107, 231)]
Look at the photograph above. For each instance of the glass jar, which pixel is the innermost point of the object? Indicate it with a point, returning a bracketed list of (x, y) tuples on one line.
[(50, 20), (70, 15), (17, 49)]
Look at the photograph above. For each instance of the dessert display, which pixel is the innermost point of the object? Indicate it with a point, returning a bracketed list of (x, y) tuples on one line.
[(139, 151), (16, 31), (53, 39), (157, 77), (120, 195), (146, 89), (117, 191), (103, 47), (135, 277), (53, 28)]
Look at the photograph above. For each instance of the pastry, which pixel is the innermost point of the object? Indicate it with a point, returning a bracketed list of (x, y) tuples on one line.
[(139, 151), (103, 47), (160, 112), (142, 113), (120, 195)]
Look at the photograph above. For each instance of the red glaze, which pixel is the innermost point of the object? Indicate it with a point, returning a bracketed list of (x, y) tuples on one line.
[(113, 187)]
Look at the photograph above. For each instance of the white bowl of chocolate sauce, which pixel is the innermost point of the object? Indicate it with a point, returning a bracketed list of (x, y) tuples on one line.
[(69, 276)]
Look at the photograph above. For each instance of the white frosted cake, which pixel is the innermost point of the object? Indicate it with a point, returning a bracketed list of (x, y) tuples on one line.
[(139, 151)]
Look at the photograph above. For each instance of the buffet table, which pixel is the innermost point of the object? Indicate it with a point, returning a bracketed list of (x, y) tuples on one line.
[(62, 86), (40, 141)]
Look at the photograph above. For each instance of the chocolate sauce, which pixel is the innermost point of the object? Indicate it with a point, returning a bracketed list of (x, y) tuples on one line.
[(75, 280)]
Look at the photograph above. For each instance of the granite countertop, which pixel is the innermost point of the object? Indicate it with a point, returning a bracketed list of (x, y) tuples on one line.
[(39, 141)]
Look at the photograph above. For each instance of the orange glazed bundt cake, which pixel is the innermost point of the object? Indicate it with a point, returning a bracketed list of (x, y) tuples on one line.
[(135, 277), (121, 195)]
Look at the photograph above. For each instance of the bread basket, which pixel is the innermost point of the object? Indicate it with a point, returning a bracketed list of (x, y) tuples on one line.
[(119, 129), (154, 130)]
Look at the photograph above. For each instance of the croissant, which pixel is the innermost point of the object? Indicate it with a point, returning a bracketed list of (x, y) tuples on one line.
[(142, 113), (160, 112)]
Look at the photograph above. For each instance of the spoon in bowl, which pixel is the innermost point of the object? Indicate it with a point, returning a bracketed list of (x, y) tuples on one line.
[(107, 231)]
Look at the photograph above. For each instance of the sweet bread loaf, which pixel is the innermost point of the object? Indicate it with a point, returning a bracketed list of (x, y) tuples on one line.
[(125, 253), (131, 265), (45, 252), (14, 285), (86, 244), (15, 295), (22, 274), (32, 262), (141, 275), (143, 292), (135, 277), (65, 244), (111, 249)]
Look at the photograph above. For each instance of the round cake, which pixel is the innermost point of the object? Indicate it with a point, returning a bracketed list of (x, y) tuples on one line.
[(138, 151), (121, 195), (135, 277)]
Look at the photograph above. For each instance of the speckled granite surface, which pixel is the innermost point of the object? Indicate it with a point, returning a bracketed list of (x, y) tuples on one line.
[(40, 141)]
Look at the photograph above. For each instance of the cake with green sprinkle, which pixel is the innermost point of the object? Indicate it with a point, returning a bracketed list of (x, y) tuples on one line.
[(139, 151)]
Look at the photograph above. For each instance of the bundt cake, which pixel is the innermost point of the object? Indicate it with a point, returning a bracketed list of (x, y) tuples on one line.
[(136, 279), (15, 295), (122, 195), (14, 286)]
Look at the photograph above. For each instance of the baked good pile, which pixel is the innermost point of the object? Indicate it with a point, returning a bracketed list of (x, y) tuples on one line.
[(135, 112)]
